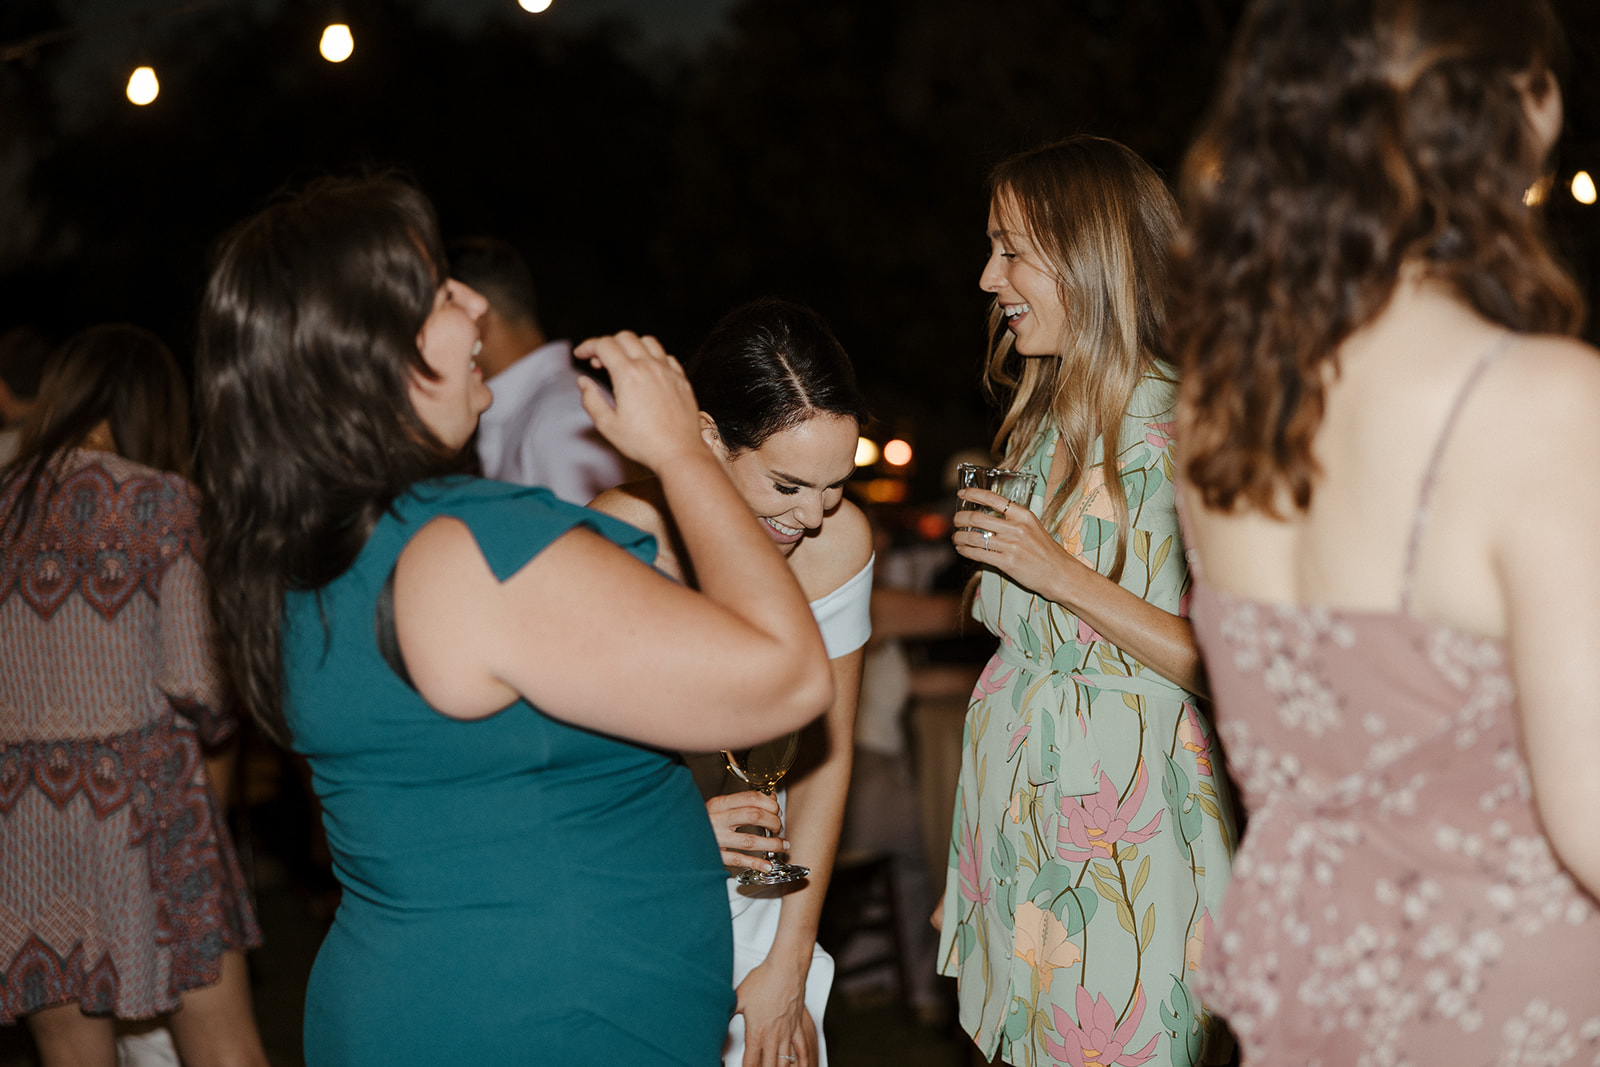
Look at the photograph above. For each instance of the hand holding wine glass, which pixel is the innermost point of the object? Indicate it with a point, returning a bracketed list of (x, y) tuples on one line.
[(763, 767)]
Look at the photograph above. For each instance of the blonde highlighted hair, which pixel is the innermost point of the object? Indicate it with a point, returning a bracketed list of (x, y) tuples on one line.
[(1102, 220)]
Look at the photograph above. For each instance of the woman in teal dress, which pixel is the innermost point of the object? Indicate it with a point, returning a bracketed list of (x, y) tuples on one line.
[(1092, 827), (482, 677)]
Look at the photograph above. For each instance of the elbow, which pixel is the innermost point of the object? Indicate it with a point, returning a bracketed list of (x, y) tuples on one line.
[(811, 693)]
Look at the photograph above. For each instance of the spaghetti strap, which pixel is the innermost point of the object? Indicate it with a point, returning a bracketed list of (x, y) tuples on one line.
[(1419, 521)]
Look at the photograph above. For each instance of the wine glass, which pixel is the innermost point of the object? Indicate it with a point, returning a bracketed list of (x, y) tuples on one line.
[(763, 767)]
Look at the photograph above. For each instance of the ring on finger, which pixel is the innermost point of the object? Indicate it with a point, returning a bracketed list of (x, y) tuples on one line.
[(986, 535), (1005, 508)]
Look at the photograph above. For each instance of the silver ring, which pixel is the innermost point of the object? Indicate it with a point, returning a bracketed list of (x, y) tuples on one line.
[(1005, 508), (790, 1058), (986, 535)]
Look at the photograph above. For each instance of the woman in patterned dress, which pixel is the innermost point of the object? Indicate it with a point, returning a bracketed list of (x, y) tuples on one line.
[(1390, 439), (120, 895), (1092, 830)]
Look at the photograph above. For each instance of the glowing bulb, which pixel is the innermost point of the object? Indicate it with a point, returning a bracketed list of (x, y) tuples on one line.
[(337, 44), (866, 452), (534, 7), (897, 453), (1583, 188), (143, 86), (1535, 194)]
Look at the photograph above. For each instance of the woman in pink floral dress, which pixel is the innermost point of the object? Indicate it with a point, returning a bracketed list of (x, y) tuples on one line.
[(1093, 826), (120, 896), (1390, 443)]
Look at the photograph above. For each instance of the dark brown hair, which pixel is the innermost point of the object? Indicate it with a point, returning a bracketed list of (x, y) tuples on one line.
[(307, 351), (1103, 220), (1350, 137), (120, 375)]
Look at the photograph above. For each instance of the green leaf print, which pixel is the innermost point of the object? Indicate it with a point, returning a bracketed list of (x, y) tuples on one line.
[(1049, 754), (1105, 886), (1141, 545), (1028, 639), (1096, 531), (1019, 688), (1017, 1019), (1147, 929), (1184, 1035), (1161, 555), (1003, 858), (1075, 908), (1005, 896), (966, 939), (1139, 878), (1064, 662), (1125, 916)]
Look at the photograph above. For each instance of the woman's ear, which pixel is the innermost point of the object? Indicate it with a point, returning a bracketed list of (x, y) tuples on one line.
[(709, 434)]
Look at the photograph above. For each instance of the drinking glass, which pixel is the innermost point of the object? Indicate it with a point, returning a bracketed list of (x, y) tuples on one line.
[(1015, 486), (763, 767)]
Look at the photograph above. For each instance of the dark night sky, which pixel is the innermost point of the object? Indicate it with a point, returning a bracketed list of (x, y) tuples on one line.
[(658, 161)]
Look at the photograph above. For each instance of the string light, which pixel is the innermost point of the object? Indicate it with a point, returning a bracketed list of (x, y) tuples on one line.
[(535, 7), (1583, 190), (337, 43), (143, 87)]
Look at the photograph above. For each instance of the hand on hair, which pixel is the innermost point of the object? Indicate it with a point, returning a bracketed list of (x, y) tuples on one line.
[(1017, 546), (655, 418), (729, 812)]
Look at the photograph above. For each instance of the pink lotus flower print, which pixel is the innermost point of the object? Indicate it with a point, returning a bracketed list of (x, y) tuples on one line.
[(1160, 435), (993, 681), (1191, 737), (969, 864), (1095, 823), (1096, 1040), (1087, 635)]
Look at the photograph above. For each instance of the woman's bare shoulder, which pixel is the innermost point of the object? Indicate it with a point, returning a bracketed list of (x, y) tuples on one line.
[(836, 554), (637, 503)]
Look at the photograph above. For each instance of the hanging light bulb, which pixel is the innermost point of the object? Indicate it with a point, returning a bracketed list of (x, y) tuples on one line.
[(337, 43), (534, 7), (143, 86), (1583, 190)]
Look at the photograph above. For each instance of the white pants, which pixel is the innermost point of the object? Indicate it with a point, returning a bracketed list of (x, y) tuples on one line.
[(755, 927)]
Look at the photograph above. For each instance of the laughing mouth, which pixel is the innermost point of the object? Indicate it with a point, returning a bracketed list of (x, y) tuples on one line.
[(1013, 310), (787, 531)]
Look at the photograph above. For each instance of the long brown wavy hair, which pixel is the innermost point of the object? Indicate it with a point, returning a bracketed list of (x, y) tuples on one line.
[(1103, 219), (1350, 137), (118, 374), (307, 351)]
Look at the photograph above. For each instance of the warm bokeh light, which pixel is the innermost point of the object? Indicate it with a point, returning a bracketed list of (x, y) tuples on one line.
[(337, 43), (533, 7), (897, 453), (884, 491), (866, 452), (1535, 193), (1583, 188), (143, 86)]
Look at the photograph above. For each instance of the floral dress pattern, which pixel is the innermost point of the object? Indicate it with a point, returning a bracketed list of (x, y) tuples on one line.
[(1093, 830)]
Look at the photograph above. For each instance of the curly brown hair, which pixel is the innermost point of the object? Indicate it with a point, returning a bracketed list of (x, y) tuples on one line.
[(1350, 137)]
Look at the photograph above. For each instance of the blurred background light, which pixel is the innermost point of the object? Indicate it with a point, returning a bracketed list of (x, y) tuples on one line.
[(143, 86), (1583, 188), (897, 453), (866, 452), (337, 43), (534, 7)]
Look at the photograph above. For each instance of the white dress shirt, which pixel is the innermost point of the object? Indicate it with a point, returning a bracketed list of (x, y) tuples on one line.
[(537, 433)]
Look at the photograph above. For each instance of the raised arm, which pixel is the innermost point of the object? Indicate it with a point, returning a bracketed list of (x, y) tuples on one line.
[(589, 634)]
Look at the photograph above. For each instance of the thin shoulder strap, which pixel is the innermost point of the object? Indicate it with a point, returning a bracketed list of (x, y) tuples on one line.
[(1419, 520)]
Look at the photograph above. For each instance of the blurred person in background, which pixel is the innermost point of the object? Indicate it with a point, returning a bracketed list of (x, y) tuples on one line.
[(125, 895), (536, 432)]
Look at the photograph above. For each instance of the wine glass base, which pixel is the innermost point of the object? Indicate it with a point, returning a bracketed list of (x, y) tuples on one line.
[(780, 874)]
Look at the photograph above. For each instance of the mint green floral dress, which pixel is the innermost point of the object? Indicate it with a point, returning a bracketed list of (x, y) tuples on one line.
[(1093, 830)]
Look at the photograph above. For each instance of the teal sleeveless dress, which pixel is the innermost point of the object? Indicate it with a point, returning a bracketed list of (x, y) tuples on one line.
[(516, 890)]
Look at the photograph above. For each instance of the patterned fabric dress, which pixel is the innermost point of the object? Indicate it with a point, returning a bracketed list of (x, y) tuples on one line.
[(1396, 902), (119, 888), (1093, 829)]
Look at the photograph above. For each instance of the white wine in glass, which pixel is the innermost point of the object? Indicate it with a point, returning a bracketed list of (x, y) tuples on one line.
[(763, 767)]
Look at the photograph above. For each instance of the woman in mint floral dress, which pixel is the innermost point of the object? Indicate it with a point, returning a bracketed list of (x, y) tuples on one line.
[(1092, 828)]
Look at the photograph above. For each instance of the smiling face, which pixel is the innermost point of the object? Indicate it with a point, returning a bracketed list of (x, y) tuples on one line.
[(1023, 283), (796, 477), (449, 343)]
